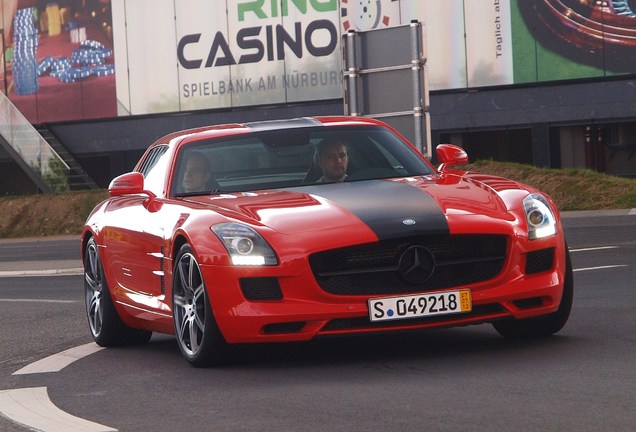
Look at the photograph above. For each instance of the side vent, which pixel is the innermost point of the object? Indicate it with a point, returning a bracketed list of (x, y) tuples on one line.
[(162, 268)]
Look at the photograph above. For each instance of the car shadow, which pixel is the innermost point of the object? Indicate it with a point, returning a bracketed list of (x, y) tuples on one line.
[(422, 345)]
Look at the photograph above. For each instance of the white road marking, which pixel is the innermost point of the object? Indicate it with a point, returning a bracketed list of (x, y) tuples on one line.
[(63, 267), (18, 300), (597, 267), (594, 248), (600, 267), (59, 361), (46, 272), (33, 408)]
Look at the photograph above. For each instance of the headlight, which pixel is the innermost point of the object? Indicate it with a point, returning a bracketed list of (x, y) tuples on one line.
[(541, 220), (245, 246)]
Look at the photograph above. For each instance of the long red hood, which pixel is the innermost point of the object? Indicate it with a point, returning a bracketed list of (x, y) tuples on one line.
[(388, 207)]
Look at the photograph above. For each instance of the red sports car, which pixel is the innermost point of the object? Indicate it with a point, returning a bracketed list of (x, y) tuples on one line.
[(286, 230)]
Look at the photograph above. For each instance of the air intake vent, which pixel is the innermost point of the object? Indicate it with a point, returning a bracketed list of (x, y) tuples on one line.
[(261, 289), (539, 261)]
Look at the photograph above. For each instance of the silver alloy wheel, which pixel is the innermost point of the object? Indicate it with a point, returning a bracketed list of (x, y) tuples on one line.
[(94, 289), (106, 326), (189, 305)]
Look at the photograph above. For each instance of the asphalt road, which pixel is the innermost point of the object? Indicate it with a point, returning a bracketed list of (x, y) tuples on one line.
[(582, 379)]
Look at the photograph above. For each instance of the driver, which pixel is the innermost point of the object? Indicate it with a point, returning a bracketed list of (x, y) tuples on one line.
[(332, 158), (197, 173)]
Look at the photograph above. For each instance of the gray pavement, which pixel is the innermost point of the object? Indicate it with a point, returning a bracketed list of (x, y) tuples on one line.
[(40, 268), (31, 256)]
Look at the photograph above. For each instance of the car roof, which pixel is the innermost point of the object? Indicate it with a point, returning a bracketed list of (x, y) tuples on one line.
[(266, 125)]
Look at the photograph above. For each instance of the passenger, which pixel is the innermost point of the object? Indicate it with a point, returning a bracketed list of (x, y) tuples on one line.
[(332, 158), (197, 176)]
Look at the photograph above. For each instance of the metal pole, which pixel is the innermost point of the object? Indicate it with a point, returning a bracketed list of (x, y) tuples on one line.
[(416, 67), (352, 73)]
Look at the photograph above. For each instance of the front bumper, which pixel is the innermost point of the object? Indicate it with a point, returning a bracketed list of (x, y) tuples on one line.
[(304, 311)]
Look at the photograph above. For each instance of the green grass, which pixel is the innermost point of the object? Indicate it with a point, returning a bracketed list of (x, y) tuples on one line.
[(571, 189)]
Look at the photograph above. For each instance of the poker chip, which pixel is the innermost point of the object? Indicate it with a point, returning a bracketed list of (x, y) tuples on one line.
[(66, 78), (71, 75), (61, 64), (56, 74), (88, 60), (103, 70), (78, 73), (45, 65), (89, 56), (25, 41), (92, 44)]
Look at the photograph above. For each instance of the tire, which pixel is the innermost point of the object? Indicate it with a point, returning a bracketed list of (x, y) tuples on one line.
[(198, 336), (105, 325), (545, 325)]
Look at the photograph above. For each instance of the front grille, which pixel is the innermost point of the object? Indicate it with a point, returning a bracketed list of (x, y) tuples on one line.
[(373, 268)]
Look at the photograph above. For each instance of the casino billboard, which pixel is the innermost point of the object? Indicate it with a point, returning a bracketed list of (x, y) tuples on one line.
[(72, 60)]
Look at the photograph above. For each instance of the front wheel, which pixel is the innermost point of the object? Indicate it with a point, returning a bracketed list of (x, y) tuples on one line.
[(106, 327), (544, 325), (198, 336)]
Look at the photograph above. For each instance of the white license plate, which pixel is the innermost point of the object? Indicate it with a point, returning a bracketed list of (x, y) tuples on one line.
[(419, 305)]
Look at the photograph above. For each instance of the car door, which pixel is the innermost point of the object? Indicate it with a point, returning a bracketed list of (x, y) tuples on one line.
[(135, 237)]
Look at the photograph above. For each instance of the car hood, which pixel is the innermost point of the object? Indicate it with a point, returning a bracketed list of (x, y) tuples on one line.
[(390, 208)]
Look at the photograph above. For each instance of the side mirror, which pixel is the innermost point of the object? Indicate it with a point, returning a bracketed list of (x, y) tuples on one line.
[(127, 184), (449, 155), (132, 183)]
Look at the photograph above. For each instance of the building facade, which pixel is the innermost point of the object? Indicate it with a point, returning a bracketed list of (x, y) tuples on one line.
[(546, 82)]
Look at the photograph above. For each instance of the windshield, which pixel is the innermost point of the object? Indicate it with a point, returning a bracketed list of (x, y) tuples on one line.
[(293, 157)]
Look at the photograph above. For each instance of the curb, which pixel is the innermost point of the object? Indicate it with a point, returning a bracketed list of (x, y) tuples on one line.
[(598, 213)]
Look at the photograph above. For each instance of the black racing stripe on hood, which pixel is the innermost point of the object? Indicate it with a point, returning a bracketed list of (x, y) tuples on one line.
[(385, 206)]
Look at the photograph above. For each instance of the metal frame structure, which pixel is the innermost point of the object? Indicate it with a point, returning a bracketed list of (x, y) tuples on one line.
[(379, 70)]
